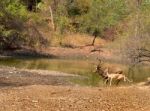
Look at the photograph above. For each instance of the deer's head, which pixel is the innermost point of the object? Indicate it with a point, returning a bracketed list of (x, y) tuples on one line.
[(99, 66)]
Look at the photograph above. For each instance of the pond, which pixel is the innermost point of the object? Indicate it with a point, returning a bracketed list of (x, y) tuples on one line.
[(81, 67)]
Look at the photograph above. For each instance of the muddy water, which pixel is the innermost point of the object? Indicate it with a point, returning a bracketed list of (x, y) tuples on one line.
[(81, 67)]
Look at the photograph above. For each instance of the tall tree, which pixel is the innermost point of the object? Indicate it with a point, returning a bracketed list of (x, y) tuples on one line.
[(103, 14)]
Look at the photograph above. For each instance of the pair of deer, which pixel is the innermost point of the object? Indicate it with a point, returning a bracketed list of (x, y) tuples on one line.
[(108, 77)]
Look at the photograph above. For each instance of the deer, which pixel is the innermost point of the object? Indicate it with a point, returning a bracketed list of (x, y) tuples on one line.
[(116, 76), (101, 70)]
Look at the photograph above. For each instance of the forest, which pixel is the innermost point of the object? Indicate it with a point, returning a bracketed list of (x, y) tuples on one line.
[(106, 19)]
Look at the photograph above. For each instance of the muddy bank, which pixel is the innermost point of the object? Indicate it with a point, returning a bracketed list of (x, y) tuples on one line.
[(12, 77)]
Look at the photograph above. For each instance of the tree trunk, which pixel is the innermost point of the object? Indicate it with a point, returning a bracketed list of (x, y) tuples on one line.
[(36, 5), (52, 18), (93, 42)]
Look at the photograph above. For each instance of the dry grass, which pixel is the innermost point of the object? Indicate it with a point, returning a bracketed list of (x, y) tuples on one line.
[(73, 40)]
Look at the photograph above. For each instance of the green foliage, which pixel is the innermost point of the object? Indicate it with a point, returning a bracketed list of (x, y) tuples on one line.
[(103, 15), (90, 16), (77, 7), (68, 12), (145, 5), (61, 18), (15, 8), (12, 16), (145, 23)]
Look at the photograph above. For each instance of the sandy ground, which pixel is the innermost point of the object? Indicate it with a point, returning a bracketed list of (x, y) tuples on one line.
[(66, 98), (31, 90), (84, 52)]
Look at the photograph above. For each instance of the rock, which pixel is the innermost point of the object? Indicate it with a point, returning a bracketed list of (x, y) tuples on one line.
[(35, 101), (91, 101)]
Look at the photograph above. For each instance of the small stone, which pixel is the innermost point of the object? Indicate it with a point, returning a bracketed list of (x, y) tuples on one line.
[(91, 101), (34, 101)]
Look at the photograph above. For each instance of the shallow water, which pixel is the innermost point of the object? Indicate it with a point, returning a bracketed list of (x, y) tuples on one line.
[(81, 67)]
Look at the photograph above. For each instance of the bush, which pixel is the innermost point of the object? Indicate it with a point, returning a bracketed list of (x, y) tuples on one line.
[(12, 16), (103, 15), (89, 16)]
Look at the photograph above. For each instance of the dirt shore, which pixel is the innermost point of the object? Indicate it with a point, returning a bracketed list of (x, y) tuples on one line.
[(13, 77), (31, 90), (87, 52)]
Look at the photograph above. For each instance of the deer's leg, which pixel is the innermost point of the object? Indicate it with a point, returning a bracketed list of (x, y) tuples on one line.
[(106, 81), (118, 82), (110, 81)]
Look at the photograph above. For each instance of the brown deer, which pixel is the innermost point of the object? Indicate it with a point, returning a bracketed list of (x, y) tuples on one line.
[(99, 70)]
